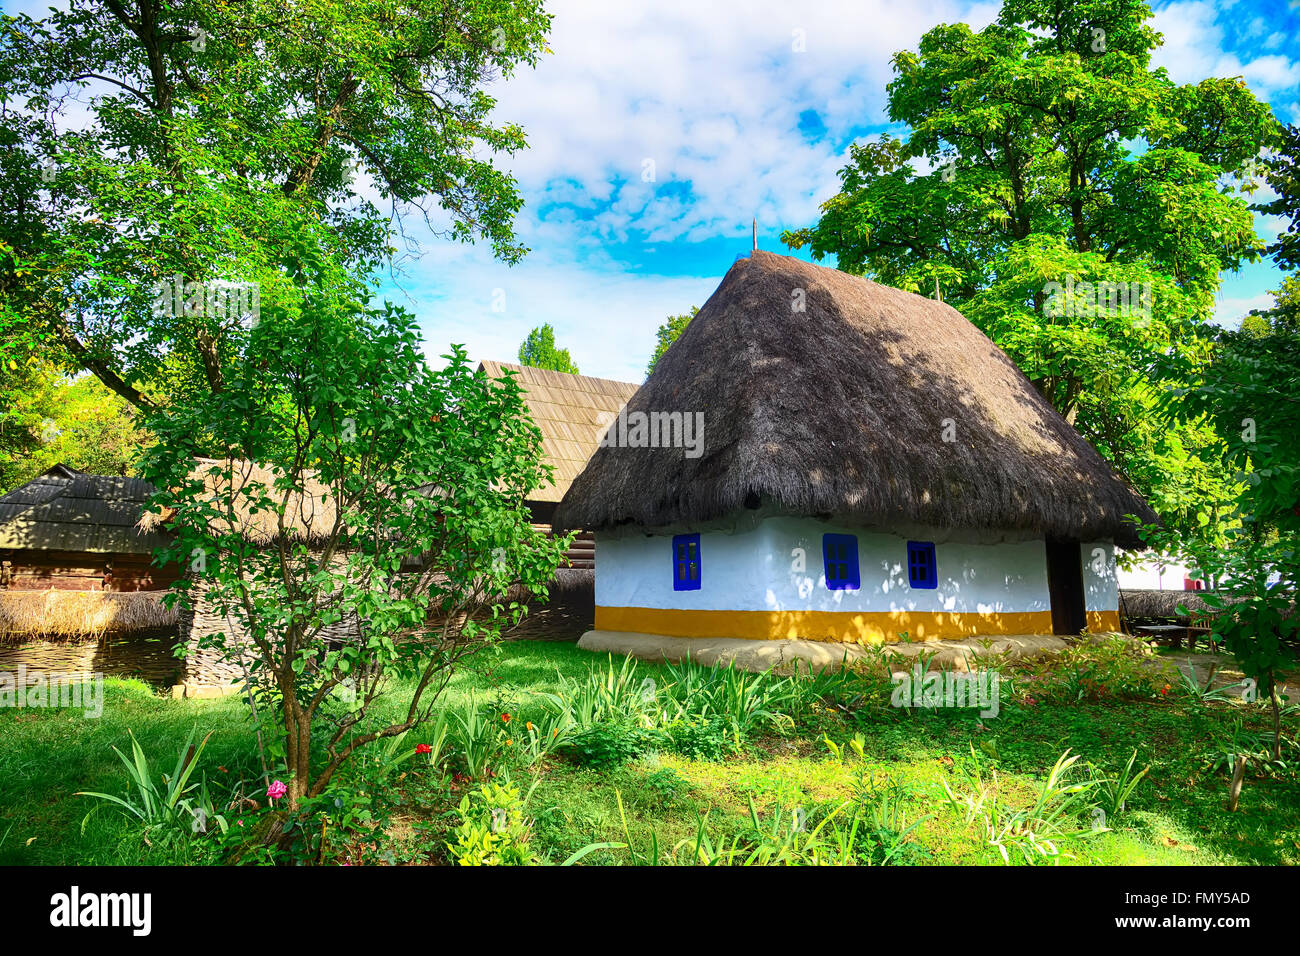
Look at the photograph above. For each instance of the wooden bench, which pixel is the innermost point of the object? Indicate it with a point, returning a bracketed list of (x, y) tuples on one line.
[(1176, 632)]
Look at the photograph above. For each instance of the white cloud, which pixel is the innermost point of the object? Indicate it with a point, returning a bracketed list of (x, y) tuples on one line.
[(1230, 310), (1194, 49), (712, 93)]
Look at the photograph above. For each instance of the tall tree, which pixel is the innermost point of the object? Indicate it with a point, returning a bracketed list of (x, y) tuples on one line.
[(539, 351), (1070, 200), (48, 418), (1249, 391), (668, 333), (1282, 173), (220, 141)]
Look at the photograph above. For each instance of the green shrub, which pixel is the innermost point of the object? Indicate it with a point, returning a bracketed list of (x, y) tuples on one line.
[(170, 809), (609, 745), (493, 830), (1097, 669), (704, 739), (476, 736), (610, 695), (1036, 833)]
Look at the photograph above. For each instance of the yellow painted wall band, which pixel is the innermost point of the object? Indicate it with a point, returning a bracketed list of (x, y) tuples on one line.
[(878, 626)]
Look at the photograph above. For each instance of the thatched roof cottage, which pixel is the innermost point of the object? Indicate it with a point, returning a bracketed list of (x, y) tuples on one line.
[(868, 464)]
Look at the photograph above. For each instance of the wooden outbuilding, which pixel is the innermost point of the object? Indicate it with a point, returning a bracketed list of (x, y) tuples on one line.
[(73, 561), (572, 412)]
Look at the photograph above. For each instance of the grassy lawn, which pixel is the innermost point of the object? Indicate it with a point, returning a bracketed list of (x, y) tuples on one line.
[(673, 779)]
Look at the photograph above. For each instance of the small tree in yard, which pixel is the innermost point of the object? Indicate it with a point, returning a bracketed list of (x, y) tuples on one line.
[(387, 496), (668, 333)]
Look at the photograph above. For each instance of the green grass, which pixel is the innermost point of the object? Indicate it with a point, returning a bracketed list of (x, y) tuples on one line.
[(1176, 816)]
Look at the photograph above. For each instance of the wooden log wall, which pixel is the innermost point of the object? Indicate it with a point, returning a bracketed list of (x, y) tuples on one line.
[(78, 571)]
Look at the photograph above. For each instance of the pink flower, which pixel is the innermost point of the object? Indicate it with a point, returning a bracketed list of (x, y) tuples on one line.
[(276, 790)]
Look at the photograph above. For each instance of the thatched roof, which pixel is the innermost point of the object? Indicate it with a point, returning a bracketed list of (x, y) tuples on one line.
[(841, 409), (308, 516), (67, 510), (81, 614), (572, 412)]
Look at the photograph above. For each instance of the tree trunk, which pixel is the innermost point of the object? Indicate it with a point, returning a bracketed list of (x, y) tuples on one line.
[(1277, 722), (1238, 775)]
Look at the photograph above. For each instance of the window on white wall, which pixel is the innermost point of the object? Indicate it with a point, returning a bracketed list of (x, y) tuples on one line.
[(840, 556), (686, 562), (922, 570)]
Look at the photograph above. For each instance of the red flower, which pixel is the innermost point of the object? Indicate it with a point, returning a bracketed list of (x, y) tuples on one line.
[(423, 749), (505, 718)]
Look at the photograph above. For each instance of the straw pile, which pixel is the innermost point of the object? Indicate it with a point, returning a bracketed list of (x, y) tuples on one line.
[(80, 615)]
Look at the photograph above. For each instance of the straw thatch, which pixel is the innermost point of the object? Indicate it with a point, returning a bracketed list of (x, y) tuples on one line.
[(85, 615), (308, 516), (1153, 605), (572, 412), (841, 409), (67, 510)]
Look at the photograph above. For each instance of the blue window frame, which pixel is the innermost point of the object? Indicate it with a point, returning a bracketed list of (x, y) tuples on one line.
[(686, 562), (840, 556), (922, 571)]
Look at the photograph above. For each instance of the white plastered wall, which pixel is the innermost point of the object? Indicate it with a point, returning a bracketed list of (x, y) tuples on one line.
[(1100, 583), (760, 570)]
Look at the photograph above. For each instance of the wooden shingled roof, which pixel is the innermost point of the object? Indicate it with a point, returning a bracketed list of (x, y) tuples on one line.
[(572, 412), (67, 510)]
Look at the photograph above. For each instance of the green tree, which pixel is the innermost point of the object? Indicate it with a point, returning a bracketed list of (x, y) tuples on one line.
[(668, 333), (48, 418), (539, 351), (222, 141), (1284, 315), (426, 475), (1047, 170), (1249, 391), (1282, 172)]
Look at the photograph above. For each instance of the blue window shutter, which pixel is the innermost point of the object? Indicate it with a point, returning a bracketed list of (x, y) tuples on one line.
[(840, 558), (687, 562), (922, 569)]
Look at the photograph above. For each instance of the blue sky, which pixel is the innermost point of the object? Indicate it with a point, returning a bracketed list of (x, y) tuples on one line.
[(659, 128), (738, 124)]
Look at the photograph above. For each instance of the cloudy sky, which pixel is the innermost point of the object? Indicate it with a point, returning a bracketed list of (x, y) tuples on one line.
[(738, 124), (659, 128)]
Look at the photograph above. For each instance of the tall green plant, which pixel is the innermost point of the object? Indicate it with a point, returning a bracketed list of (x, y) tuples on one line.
[(171, 803)]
